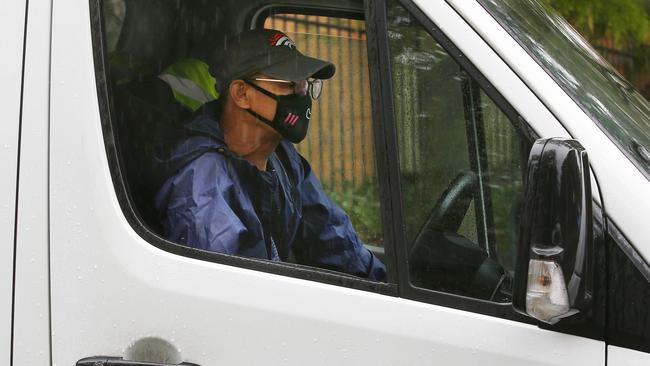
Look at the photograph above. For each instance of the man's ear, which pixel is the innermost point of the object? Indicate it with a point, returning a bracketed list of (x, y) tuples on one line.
[(240, 94)]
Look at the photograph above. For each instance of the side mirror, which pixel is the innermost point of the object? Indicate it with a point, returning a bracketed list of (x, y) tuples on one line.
[(553, 271)]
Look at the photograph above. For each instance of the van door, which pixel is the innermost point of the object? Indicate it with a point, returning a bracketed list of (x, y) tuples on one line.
[(462, 124), (31, 311), (12, 31), (118, 289)]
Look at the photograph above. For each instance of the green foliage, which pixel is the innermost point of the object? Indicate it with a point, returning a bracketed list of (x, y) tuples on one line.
[(625, 21), (361, 203)]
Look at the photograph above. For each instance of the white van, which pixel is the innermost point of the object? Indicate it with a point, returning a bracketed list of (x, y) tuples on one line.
[(489, 157)]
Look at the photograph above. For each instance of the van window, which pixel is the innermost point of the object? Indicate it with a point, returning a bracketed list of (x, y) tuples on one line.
[(340, 146), (113, 19), (611, 101), (158, 55), (461, 165)]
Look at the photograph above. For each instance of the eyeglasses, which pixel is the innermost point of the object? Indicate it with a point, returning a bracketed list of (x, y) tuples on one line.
[(312, 86)]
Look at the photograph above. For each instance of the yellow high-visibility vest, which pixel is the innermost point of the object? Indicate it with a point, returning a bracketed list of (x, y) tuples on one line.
[(191, 83)]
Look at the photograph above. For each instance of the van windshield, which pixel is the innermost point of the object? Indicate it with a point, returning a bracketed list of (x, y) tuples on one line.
[(610, 100)]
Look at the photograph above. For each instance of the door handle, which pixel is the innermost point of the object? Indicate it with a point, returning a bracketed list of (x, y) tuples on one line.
[(119, 361)]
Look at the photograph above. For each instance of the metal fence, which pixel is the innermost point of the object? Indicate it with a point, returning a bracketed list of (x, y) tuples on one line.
[(340, 144)]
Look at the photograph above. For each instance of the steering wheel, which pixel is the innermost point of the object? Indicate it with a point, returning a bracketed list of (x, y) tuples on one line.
[(439, 248), (450, 209)]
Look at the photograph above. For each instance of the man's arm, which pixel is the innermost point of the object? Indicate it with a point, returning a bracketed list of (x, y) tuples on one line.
[(194, 211), (327, 238)]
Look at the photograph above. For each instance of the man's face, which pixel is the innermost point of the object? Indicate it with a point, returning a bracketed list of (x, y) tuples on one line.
[(263, 104)]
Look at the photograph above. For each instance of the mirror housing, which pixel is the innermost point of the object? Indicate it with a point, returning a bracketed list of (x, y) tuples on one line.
[(553, 276)]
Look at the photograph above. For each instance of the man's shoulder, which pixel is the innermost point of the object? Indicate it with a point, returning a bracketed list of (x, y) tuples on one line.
[(189, 149), (201, 172), (206, 162)]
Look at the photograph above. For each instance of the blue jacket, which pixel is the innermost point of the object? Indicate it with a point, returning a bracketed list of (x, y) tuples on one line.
[(214, 200)]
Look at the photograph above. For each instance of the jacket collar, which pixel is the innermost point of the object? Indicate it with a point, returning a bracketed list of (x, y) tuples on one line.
[(205, 121)]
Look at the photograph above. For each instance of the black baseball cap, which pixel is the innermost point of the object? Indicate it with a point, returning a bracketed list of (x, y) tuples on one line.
[(266, 51)]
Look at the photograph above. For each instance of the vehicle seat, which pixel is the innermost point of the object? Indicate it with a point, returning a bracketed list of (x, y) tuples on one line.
[(147, 119), (150, 74)]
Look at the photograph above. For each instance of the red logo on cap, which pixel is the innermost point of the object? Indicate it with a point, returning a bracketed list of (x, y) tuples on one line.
[(280, 39)]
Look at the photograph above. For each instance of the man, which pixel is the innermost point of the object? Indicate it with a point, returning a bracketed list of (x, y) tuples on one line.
[(238, 186)]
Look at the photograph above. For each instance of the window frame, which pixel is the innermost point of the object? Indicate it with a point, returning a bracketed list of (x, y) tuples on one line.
[(107, 115), (259, 17), (258, 20), (624, 259), (378, 15), (589, 324), (475, 132)]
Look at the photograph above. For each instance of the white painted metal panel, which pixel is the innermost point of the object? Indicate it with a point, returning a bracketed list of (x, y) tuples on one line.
[(12, 30), (31, 313), (110, 287), (625, 191), (618, 356)]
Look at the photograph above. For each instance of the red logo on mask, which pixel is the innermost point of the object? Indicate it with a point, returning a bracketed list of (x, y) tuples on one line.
[(291, 119)]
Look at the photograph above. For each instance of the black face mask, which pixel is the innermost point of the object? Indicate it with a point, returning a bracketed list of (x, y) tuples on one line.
[(292, 114)]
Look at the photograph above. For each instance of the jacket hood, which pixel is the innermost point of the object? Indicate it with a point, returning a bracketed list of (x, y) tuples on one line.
[(202, 134)]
